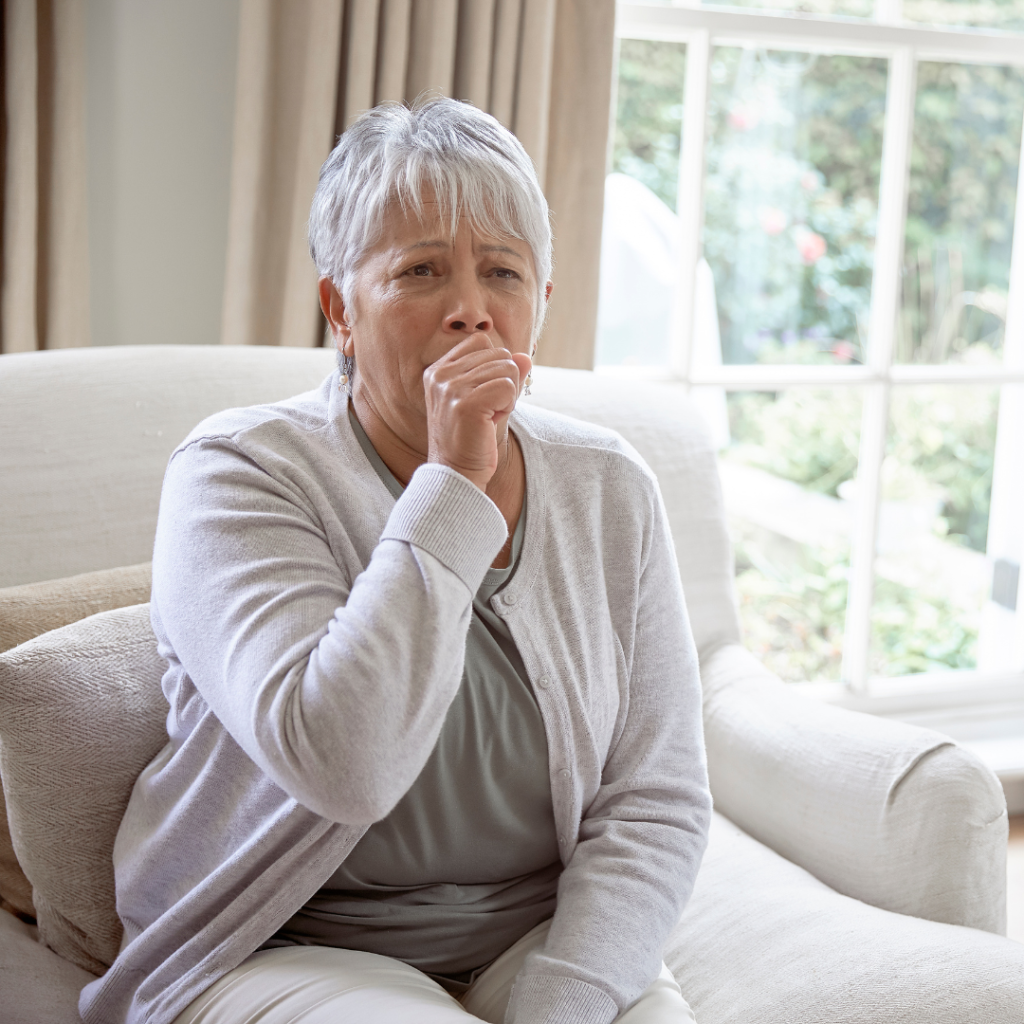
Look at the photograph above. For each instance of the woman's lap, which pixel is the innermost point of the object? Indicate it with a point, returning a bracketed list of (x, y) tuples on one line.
[(323, 985)]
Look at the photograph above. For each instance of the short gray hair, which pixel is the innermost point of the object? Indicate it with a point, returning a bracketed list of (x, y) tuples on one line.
[(475, 167)]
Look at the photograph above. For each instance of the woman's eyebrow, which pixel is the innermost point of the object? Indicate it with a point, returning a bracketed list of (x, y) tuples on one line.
[(437, 243), (440, 243), (502, 249)]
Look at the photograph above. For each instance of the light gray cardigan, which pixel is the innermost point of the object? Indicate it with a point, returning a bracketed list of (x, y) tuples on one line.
[(315, 628)]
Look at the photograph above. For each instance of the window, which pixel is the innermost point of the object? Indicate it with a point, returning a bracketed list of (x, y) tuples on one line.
[(809, 225)]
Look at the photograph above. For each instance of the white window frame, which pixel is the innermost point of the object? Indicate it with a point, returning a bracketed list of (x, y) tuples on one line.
[(903, 44)]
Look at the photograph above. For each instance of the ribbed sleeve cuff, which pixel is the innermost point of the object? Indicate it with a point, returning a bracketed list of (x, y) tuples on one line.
[(545, 999), (450, 518)]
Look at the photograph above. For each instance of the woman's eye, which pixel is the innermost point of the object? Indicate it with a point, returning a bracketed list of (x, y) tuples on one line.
[(506, 274), (420, 270)]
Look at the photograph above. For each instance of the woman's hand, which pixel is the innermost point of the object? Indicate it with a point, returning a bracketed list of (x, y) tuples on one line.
[(470, 393)]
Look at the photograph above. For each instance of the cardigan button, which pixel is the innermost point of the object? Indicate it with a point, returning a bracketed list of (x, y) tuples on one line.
[(565, 772), (544, 682), (510, 599)]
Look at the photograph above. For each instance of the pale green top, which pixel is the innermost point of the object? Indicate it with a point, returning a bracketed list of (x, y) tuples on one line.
[(467, 861)]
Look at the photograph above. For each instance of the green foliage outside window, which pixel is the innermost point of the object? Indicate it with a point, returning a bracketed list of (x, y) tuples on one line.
[(793, 597), (793, 618), (649, 114), (942, 440), (963, 187), (809, 437), (790, 197)]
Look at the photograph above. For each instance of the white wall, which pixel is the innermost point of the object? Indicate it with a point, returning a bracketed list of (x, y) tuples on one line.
[(160, 105)]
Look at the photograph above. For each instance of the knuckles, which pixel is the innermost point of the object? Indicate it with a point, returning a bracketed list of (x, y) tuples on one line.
[(443, 380)]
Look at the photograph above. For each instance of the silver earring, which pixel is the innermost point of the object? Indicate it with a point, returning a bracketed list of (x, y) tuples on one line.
[(527, 383), (346, 368)]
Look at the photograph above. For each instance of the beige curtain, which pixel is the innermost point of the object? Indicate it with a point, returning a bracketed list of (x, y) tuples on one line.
[(44, 285), (308, 67)]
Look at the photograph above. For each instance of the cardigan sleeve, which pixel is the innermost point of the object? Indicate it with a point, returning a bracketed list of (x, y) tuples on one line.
[(642, 838), (335, 687)]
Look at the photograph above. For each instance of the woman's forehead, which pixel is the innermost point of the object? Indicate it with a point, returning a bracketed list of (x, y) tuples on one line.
[(406, 228)]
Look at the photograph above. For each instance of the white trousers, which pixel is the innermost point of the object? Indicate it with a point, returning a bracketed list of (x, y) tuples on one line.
[(323, 985)]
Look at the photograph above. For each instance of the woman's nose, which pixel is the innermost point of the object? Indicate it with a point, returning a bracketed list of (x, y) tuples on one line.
[(468, 326), (468, 312)]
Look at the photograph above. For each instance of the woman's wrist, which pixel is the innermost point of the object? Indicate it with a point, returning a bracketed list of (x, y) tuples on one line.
[(446, 515)]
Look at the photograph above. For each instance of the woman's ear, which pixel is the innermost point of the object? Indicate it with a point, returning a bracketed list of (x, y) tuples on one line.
[(333, 306)]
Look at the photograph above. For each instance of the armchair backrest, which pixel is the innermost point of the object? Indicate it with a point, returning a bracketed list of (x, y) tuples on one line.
[(86, 434)]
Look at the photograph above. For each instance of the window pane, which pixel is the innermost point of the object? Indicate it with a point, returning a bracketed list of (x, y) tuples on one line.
[(640, 239), (932, 578), (963, 187), (649, 114), (791, 200), (786, 474), (991, 14)]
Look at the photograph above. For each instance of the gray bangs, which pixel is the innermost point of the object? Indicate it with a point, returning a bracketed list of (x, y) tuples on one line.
[(473, 167)]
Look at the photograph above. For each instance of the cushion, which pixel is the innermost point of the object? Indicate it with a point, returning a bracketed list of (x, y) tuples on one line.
[(763, 940), (888, 813), (36, 985), (81, 714), (35, 608)]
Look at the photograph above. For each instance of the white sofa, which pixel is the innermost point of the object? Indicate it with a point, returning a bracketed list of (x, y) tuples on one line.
[(856, 870)]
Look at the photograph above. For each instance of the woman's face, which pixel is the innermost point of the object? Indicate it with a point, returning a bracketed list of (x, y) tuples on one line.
[(417, 295)]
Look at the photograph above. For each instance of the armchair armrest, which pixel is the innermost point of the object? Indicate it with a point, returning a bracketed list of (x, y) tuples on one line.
[(890, 814)]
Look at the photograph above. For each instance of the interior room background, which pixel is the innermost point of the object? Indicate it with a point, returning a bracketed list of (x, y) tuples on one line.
[(161, 156), (801, 213)]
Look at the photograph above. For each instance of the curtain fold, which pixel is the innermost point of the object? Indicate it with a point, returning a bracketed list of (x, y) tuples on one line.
[(288, 61), (44, 282), (577, 138), (307, 68)]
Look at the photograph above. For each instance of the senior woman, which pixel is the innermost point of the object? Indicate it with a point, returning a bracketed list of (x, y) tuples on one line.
[(435, 747)]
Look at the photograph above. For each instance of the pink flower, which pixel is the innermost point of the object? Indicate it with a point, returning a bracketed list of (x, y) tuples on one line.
[(743, 118), (811, 246), (773, 220), (843, 351)]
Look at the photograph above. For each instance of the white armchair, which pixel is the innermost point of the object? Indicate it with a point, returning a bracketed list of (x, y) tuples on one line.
[(856, 870)]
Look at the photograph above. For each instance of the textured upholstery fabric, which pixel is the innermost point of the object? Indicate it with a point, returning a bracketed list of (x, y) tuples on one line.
[(81, 713), (670, 435), (888, 813), (763, 942), (36, 985), (35, 608), (31, 610), (15, 888), (88, 432)]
